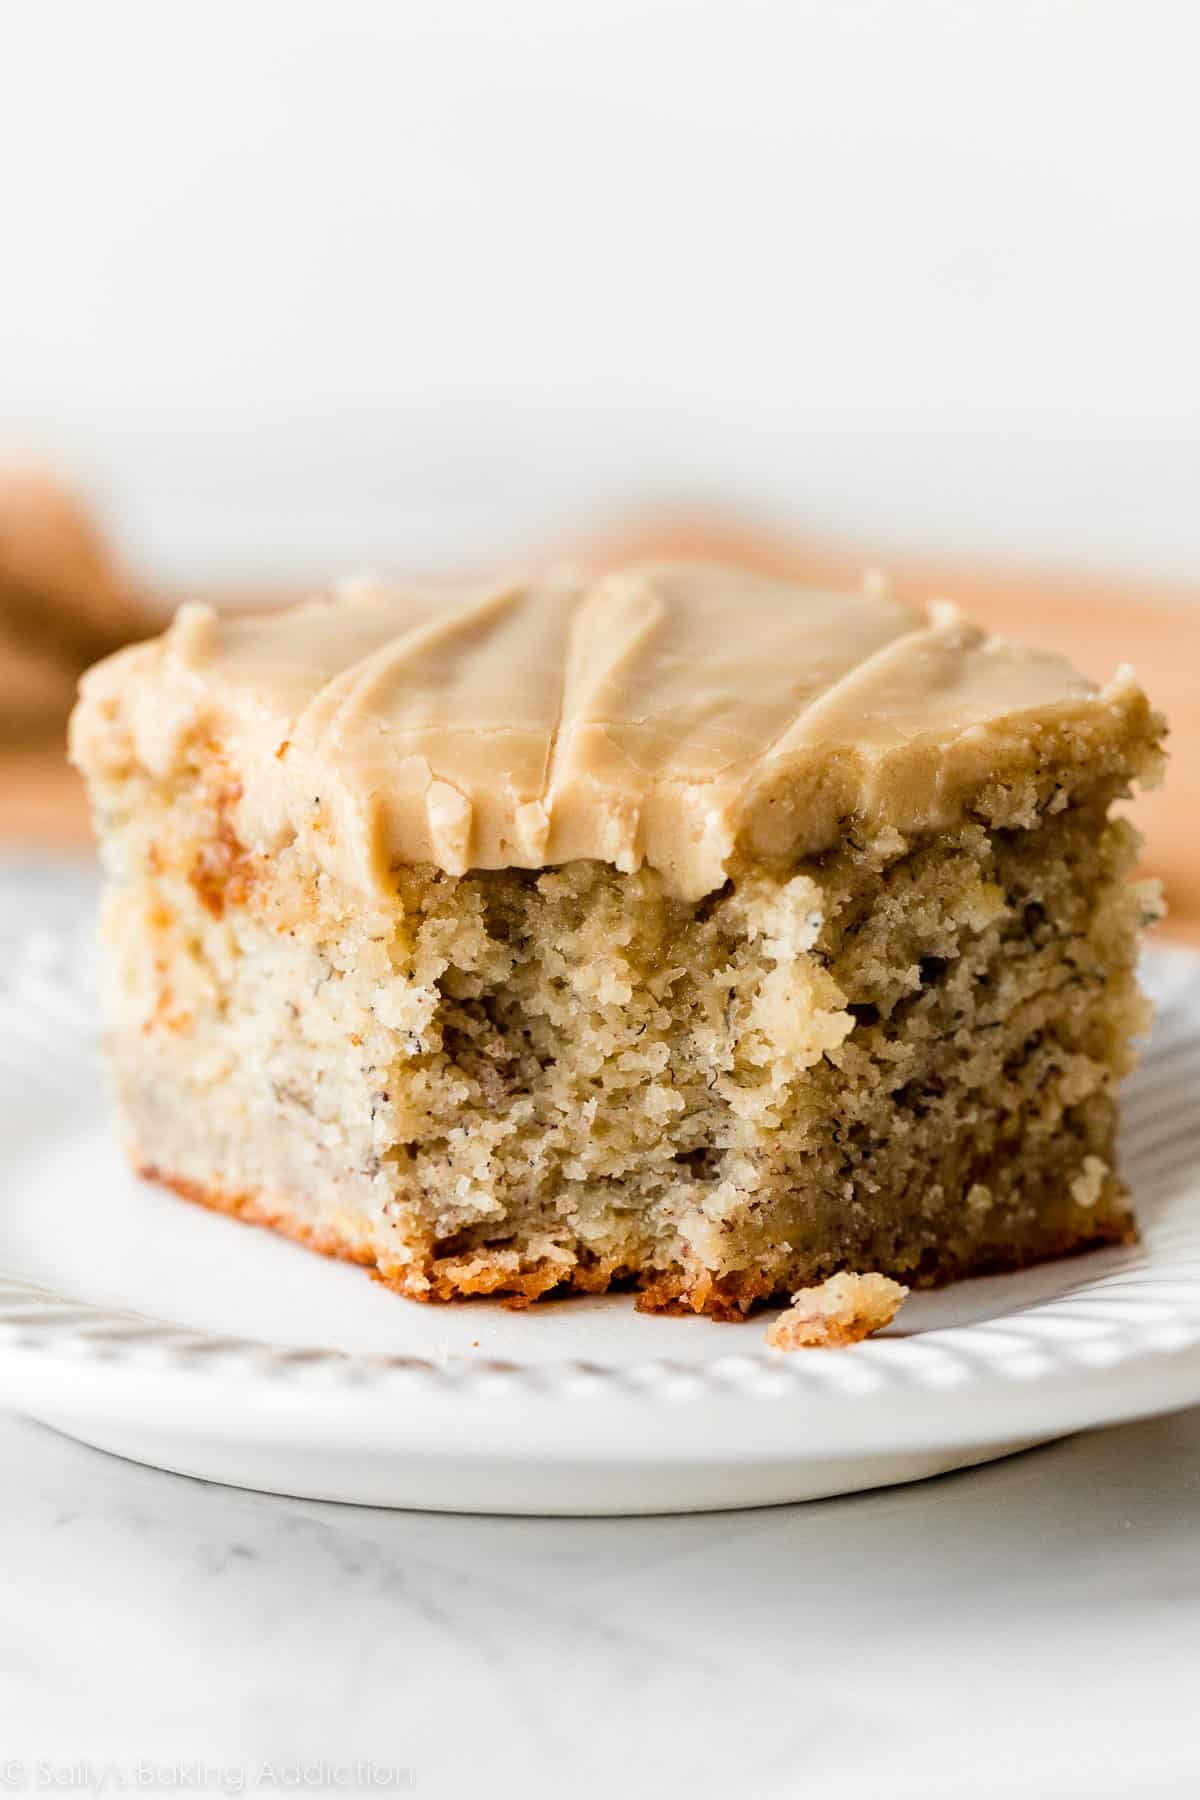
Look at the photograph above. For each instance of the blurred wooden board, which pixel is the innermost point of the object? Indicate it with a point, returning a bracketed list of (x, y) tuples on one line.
[(41, 798), (1098, 624)]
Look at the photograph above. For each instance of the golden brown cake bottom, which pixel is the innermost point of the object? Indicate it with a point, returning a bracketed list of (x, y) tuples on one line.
[(726, 1299)]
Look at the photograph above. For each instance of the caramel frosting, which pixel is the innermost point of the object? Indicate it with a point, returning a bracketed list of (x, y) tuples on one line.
[(671, 715)]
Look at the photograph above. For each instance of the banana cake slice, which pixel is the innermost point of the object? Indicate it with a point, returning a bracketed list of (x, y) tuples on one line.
[(677, 928)]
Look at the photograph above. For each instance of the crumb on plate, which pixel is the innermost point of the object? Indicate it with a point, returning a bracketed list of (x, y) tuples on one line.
[(843, 1310)]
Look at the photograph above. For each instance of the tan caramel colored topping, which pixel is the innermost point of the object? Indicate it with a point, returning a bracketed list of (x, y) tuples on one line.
[(667, 715)]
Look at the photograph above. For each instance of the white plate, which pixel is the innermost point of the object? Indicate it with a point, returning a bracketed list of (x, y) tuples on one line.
[(183, 1339)]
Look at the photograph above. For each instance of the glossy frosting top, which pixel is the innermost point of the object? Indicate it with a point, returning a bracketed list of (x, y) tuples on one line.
[(667, 714)]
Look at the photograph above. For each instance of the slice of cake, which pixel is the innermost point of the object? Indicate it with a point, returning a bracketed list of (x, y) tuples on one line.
[(681, 928)]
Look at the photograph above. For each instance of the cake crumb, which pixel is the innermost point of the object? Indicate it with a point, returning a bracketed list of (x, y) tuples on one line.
[(843, 1310)]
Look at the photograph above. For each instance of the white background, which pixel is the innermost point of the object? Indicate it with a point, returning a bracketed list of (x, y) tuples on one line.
[(302, 282)]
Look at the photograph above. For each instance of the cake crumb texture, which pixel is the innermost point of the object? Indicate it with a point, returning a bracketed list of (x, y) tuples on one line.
[(900, 1056)]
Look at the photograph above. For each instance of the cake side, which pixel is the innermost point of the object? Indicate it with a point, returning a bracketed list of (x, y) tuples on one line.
[(899, 1055)]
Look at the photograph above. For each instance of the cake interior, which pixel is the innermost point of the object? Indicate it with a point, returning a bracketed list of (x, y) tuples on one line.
[(901, 1055)]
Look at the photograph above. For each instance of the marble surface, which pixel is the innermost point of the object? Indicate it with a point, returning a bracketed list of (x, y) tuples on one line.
[(1024, 1629), (1029, 1628)]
